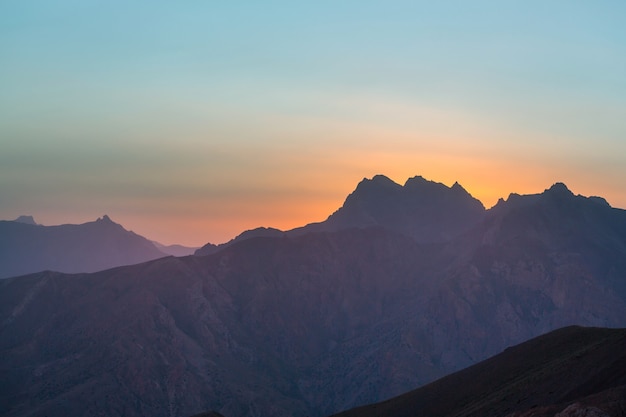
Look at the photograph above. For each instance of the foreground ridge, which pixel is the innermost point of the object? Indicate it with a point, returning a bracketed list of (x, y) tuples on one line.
[(571, 370)]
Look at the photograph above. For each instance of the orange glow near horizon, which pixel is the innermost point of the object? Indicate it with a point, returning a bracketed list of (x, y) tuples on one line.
[(212, 192), (205, 190), (188, 132), (197, 221)]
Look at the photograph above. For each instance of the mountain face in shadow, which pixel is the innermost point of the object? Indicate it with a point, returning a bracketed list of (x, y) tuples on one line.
[(26, 247), (427, 211), (239, 332), (535, 263), (573, 371), (308, 324)]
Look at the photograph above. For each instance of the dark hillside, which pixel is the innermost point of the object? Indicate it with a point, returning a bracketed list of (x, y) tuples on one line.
[(546, 374)]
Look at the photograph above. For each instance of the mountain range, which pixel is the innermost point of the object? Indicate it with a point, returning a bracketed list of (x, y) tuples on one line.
[(316, 320), (27, 247)]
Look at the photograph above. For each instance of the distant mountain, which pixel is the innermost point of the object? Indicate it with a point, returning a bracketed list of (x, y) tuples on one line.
[(26, 220), (573, 371), (26, 247), (175, 250), (425, 210), (210, 248), (312, 323)]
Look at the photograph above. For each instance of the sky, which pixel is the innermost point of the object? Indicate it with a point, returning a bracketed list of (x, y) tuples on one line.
[(189, 122)]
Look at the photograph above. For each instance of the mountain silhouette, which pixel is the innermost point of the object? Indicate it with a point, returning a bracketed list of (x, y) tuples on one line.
[(26, 247), (26, 220), (425, 210), (313, 322)]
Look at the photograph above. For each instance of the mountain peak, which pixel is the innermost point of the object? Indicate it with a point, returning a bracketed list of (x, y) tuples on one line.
[(559, 189), (377, 184), (379, 180), (425, 210), (459, 188), (418, 179), (87, 247), (26, 220), (106, 223)]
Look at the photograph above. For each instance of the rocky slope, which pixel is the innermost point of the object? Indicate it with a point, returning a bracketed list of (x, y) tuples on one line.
[(237, 332), (573, 371)]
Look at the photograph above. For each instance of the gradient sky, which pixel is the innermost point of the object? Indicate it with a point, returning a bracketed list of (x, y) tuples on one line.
[(191, 121)]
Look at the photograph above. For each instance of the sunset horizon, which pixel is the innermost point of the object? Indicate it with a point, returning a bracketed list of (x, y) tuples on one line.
[(180, 231), (192, 123)]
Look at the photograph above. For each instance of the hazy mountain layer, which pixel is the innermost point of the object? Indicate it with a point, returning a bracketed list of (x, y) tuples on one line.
[(26, 247), (175, 250)]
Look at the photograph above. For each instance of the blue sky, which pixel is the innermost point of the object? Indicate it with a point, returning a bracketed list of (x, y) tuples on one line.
[(192, 121)]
